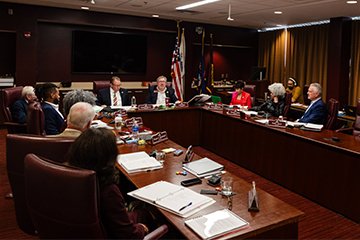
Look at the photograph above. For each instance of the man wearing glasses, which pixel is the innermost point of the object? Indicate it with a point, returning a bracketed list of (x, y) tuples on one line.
[(113, 96)]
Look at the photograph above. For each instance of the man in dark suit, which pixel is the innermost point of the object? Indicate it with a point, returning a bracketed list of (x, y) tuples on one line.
[(158, 94), (113, 96), (19, 108), (316, 112), (54, 120)]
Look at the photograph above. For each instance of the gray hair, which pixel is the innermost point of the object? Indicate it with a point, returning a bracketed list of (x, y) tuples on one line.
[(277, 89), (75, 96), (27, 90), (80, 115), (318, 88), (161, 77)]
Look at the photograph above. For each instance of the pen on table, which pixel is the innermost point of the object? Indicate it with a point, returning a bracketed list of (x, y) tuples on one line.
[(187, 205)]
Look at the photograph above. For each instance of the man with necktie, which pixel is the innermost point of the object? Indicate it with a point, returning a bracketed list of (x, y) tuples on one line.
[(316, 112), (114, 95)]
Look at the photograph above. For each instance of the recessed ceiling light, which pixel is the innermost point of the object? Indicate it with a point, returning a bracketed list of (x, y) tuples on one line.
[(92, 2), (155, 16), (351, 2), (278, 12), (195, 4), (85, 8)]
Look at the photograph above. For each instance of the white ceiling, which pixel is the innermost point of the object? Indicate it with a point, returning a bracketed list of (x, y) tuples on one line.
[(246, 13)]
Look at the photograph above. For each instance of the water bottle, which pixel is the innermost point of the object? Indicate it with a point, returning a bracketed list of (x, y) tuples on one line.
[(133, 101), (118, 122), (135, 131)]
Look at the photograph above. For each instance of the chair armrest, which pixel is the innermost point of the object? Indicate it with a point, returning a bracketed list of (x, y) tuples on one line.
[(345, 130), (14, 127), (157, 233)]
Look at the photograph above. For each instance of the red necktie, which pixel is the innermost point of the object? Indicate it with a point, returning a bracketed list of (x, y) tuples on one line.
[(115, 100)]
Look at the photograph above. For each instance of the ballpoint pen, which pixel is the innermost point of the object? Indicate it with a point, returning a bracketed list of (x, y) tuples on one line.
[(187, 205)]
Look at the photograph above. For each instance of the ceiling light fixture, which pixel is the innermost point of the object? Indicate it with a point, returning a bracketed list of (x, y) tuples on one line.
[(85, 8), (155, 16), (195, 4), (229, 16), (351, 2), (278, 12), (92, 2)]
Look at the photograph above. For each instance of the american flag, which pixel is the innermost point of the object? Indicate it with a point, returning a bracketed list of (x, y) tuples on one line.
[(178, 68)]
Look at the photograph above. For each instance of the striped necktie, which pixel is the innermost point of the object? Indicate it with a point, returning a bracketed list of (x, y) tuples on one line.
[(115, 100)]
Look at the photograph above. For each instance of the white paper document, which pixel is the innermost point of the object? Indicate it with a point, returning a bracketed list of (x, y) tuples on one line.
[(176, 199), (138, 162), (216, 224)]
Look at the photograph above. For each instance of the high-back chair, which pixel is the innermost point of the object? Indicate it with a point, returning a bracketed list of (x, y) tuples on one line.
[(62, 200), (288, 97), (98, 85), (251, 89), (17, 146), (67, 206), (35, 119), (333, 109), (8, 96), (305, 96)]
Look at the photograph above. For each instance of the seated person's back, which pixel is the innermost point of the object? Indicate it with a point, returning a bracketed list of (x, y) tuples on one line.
[(19, 108), (114, 95), (158, 94)]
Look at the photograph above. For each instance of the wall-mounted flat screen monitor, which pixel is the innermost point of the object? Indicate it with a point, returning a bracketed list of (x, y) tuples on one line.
[(108, 52), (258, 73)]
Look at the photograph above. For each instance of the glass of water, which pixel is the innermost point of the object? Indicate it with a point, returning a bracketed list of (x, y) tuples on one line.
[(227, 186)]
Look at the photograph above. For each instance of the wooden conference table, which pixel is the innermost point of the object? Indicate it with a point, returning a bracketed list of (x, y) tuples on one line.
[(308, 163), (276, 219)]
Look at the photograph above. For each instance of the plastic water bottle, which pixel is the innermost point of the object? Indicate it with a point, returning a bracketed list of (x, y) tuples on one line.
[(118, 122), (135, 131), (133, 101)]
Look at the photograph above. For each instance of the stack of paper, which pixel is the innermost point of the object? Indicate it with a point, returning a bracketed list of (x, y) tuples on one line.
[(137, 162), (176, 199), (203, 167), (312, 127), (216, 224)]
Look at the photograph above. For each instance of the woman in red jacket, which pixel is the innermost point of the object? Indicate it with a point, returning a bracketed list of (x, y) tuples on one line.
[(240, 97)]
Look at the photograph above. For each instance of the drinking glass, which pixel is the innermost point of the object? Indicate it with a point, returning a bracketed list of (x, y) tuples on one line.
[(227, 186)]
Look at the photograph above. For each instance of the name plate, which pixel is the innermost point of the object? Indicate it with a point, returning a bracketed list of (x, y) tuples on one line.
[(130, 121), (121, 112), (182, 105), (215, 107), (232, 112), (277, 123), (159, 137), (145, 107)]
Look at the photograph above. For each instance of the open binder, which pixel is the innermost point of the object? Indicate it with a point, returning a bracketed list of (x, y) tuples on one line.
[(138, 162), (203, 167), (199, 99), (176, 199), (222, 223)]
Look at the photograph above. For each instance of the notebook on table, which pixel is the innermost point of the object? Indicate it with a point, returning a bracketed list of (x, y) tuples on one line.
[(203, 167)]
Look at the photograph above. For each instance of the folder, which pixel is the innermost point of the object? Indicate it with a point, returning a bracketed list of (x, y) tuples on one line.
[(138, 162)]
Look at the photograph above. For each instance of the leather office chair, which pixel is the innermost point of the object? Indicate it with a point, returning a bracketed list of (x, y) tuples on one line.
[(355, 129), (67, 206), (8, 96), (251, 89), (35, 119), (17, 146), (333, 109), (97, 85), (288, 97), (168, 84), (305, 96)]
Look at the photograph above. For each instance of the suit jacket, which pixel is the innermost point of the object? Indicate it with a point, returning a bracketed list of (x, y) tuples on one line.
[(19, 111), (54, 123), (103, 97), (244, 101), (317, 113), (272, 108), (153, 93), (117, 221)]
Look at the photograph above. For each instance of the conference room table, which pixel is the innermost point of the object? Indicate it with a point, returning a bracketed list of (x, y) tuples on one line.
[(321, 166), (276, 219)]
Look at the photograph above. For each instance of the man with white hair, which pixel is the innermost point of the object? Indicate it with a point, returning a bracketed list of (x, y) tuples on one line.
[(316, 112), (79, 119), (19, 108)]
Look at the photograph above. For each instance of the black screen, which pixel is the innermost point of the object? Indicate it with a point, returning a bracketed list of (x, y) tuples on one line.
[(258, 73), (106, 52)]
